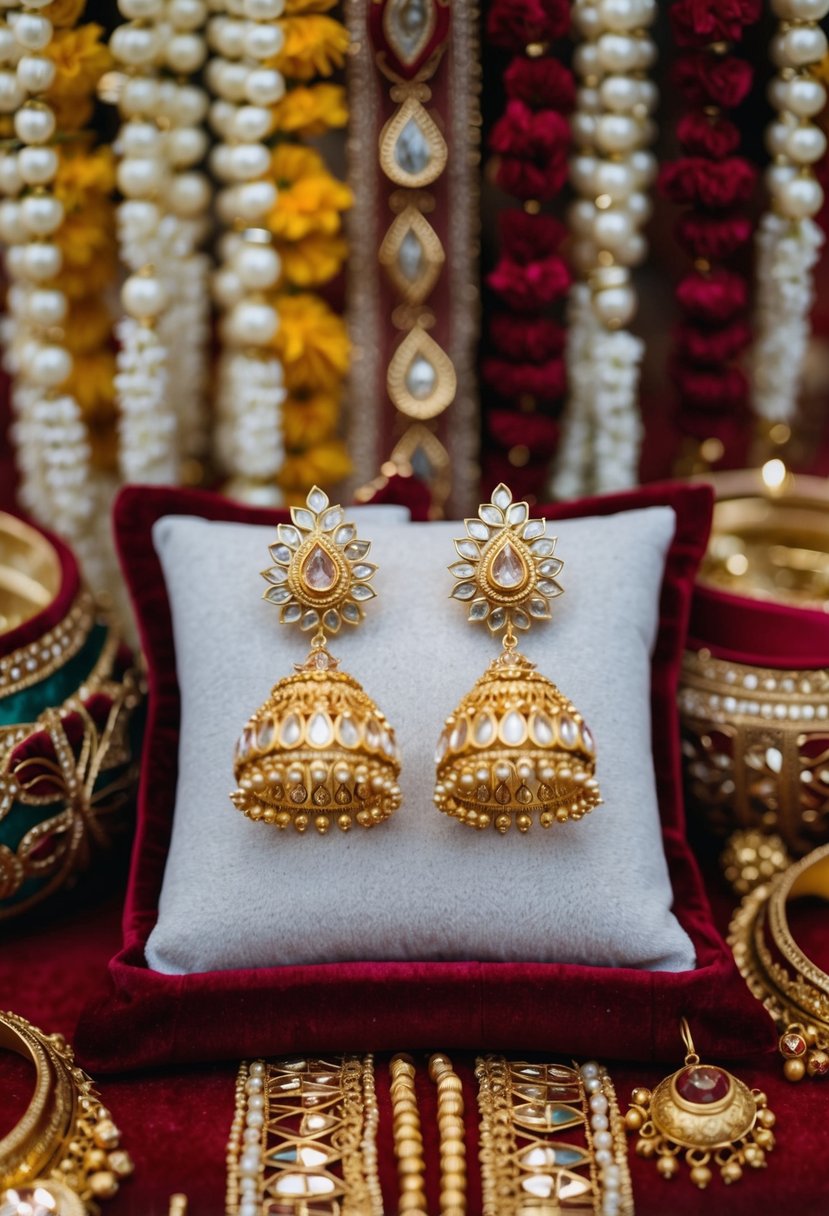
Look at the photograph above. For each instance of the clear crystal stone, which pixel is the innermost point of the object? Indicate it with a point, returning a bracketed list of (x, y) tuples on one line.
[(478, 610), (442, 745), (540, 1185), (517, 513), (539, 608), (244, 745), (421, 378), (513, 728), (317, 500), (541, 729), (345, 534), (411, 151), (289, 535), (310, 620), (304, 1185), (411, 256), (520, 619), (477, 529), (318, 570), (491, 514), (587, 738), (462, 570), (362, 592), (543, 547), (467, 548), (357, 549), (551, 567), (483, 731), (374, 735), (278, 595), (281, 554), (291, 731), (497, 620), (331, 620), (266, 734), (348, 731), (568, 732), (351, 612), (302, 518), (320, 730), (548, 586), (408, 27), (332, 517), (533, 529), (508, 569), (458, 737), (502, 496), (463, 591), (363, 570), (276, 575)]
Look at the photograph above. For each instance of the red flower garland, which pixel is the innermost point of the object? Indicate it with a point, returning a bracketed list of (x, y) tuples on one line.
[(715, 185), (522, 371)]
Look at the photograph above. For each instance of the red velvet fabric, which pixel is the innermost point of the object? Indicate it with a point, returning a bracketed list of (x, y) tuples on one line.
[(149, 1019), (758, 631)]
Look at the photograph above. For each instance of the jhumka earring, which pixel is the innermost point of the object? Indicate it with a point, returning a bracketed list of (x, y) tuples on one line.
[(515, 744), (705, 1113), (319, 749)]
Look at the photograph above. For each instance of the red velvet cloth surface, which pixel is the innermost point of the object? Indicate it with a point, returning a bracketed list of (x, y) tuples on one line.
[(758, 631), (147, 1019)]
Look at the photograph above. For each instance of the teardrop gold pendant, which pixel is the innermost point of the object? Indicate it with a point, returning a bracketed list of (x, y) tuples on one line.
[(515, 746), (319, 751)]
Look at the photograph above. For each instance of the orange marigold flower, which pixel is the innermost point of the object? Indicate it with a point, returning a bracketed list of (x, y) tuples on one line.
[(312, 343), (293, 7), (314, 46), (92, 384), (310, 199), (322, 465), (89, 326), (309, 110), (82, 175), (72, 112), (81, 59), (309, 420), (312, 261), (63, 13), (90, 254)]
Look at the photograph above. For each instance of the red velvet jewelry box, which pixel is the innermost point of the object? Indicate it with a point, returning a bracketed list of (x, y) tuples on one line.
[(149, 1019)]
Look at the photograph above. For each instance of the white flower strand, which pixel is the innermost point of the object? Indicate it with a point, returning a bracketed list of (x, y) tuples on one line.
[(788, 239), (245, 34), (573, 458), (612, 171)]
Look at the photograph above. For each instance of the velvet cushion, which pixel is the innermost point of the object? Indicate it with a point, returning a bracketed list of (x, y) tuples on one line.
[(150, 1018)]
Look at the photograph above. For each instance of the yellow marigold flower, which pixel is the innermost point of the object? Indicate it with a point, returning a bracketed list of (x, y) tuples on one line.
[(321, 465), (312, 261), (314, 46), (81, 59), (91, 384), (307, 421), (82, 175), (90, 254), (310, 199), (312, 343), (73, 112), (293, 7), (63, 13), (309, 110), (89, 326)]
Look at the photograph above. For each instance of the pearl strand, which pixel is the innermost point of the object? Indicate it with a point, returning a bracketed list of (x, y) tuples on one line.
[(246, 34), (611, 171), (148, 427), (607, 1138), (789, 240)]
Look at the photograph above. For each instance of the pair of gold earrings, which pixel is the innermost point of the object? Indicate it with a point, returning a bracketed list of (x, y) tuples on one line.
[(319, 751)]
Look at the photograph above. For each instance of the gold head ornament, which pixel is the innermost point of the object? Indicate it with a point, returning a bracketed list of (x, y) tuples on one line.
[(515, 745), (318, 751)]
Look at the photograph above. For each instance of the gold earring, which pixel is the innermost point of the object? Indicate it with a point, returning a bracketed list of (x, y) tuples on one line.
[(515, 744), (707, 1114), (319, 748)]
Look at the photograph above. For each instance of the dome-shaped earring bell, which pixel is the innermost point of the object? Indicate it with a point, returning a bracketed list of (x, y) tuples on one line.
[(318, 751), (515, 746)]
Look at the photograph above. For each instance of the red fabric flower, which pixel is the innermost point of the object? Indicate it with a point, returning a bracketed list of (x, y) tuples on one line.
[(544, 382), (543, 84), (702, 134), (513, 24), (529, 238), (408, 492), (713, 346), (713, 237), (536, 135), (708, 389), (530, 287), (512, 428), (524, 338), (526, 180), (718, 296), (717, 184), (699, 22), (706, 79)]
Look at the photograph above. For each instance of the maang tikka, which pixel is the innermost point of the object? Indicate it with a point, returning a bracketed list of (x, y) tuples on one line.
[(319, 750), (515, 745)]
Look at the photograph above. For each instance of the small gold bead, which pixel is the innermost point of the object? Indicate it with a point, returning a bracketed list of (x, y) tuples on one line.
[(794, 1070), (122, 1163), (103, 1184), (106, 1134), (633, 1120), (95, 1159), (667, 1166), (700, 1176), (640, 1096)]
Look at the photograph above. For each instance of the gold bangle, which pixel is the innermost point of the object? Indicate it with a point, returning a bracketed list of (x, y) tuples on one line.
[(524, 1108), (792, 988), (64, 1151), (452, 1136), (29, 572), (41, 658), (408, 1138), (304, 1135)]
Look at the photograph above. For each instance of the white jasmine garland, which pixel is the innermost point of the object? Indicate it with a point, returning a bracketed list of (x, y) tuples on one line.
[(572, 468), (147, 428)]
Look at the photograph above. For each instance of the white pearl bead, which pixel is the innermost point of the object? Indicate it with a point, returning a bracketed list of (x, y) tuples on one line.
[(257, 1068), (140, 176), (264, 86), (603, 1157), (587, 20), (185, 53), (34, 124), (581, 216), (187, 14), (613, 178), (249, 1207), (227, 204), (249, 1164), (222, 118), (8, 45), (255, 1119), (617, 52), (648, 95), (51, 366), (639, 206), (221, 162), (135, 45), (36, 74), (140, 216), (263, 41), (802, 45), (617, 133), (248, 161), (619, 93), (803, 96), (264, 10), (255, 199), (42, 214), (186, 146), (188, 194), (643, 166), (143, 296), (583, 129), (140, 139), (227, 37), (776, 176), (33, 31), (599, 1123), (253, 324), (625, 15), (805, 144), (251, 123), (590, 1069), (603, 1140), (589, 101), (138, 10), (190, 105), (612, 229), (583, 254), (46, 307), (258, 266), (139, 97), (586, 60), (598, 1104), (615, 306), (12, 94), (15, 260), (800, 10), (776, 135), (582, 173), (12, 229), (227, 288), (634, 253), (229, 245), (232, 80), (11, 175), (799, 198)]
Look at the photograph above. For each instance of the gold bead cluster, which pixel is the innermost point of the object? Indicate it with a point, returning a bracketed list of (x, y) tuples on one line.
[(408, 1139), (452, 1136)]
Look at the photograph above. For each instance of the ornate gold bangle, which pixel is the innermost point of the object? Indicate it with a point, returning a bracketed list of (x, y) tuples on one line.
[(63, 1155), (44, 656), (452, 1136), (304, 1137), (408, 1139), (525, 1163), (792, 988), (29, 572)]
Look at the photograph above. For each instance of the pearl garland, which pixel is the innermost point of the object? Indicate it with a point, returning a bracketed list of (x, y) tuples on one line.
[(245, 34), (789, 240), (611, 171), (606, 1132)]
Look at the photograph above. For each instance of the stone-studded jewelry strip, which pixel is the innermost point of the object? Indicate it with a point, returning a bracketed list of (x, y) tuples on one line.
[(524, 1110), (452, 1136), (408, 1139), (304, 1131), (43, 657)]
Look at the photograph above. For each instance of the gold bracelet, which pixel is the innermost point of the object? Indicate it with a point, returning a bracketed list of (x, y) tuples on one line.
[(303, 1137), (30, 572), (63, 1155), (452, 1136), (408, 1138), (793, 989), (524, 1108)]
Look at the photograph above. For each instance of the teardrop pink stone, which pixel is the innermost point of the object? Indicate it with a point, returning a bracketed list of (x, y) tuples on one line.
[(508, 570), (318, 571)]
